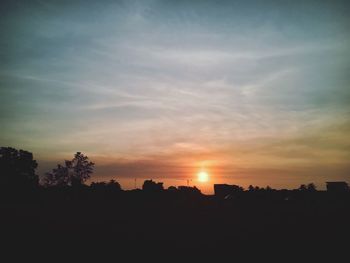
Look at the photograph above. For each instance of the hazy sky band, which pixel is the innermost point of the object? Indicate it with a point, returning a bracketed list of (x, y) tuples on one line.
[(241, 87)]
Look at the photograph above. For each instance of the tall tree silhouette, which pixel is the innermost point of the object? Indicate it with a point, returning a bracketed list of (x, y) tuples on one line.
[(17, 168), (75, 172), (82, 168)]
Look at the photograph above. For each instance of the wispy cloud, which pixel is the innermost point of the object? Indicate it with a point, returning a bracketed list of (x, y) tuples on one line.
[(187, 81)]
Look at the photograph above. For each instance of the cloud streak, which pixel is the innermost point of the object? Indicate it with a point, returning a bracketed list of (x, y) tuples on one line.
[(159, 80)]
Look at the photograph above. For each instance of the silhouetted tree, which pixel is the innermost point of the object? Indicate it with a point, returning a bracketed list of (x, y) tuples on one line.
[(112, 186), (172, 188), (58, 177), (17, 168), (151, 186), (73, 173), (311, 187), (82, 168), (302, 187), (189, 190), (97, 185)]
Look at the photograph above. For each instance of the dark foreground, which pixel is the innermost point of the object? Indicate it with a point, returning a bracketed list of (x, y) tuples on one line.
[(138, 225)]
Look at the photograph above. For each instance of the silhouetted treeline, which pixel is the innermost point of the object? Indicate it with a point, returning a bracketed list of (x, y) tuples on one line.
[(63, 216), (18, 177)]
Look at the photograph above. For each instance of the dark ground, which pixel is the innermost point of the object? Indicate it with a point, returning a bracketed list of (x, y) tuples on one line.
[(167, 226)]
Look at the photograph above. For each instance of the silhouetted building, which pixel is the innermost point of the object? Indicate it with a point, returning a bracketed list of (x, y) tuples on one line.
[(337, 186), (223, 190), (151, 186)]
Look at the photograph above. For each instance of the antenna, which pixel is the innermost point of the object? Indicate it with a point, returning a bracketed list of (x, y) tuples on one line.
[(135, 183), (188, 182)]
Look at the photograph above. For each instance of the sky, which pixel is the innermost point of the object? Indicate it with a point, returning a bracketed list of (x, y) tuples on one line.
[(253, 92)]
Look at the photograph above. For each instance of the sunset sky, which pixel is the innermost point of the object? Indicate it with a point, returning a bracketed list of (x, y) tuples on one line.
[(253, 92)]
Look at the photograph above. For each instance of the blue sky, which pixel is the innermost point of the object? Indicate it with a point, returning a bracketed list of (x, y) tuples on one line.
[(161, 88)]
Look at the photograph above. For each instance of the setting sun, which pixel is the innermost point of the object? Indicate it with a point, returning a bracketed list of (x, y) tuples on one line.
[(203, 176)]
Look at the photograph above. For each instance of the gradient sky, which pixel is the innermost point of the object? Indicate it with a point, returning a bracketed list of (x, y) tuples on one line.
[(251, 91)]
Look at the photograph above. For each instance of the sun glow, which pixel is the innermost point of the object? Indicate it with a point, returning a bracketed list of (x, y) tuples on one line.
[(203, 176)]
